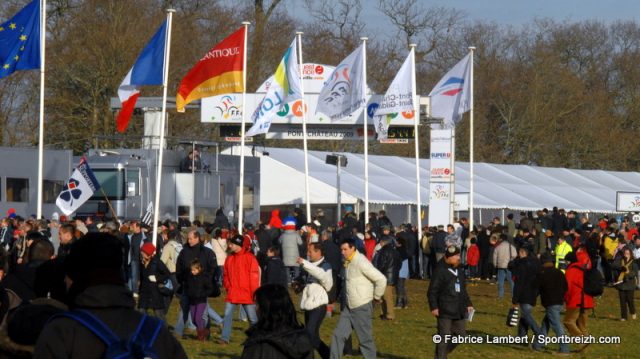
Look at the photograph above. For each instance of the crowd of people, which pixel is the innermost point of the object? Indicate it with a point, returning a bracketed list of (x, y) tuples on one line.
[(70, 272)]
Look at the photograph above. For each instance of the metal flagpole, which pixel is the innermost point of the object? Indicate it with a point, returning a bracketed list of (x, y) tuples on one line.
[(242, 126), (416, 116), (366, 133), (165, 80), (304, 131), (43, 33), (471, 49)]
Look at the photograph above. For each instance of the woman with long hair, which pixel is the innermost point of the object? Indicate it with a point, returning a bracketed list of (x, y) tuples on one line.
[(627, 268), (277, 333)]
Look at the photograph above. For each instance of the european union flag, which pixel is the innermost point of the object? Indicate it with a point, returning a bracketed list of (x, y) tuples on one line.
[(20, 41)]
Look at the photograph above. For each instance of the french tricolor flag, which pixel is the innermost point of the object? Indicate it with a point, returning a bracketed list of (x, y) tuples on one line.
[(147, 70)]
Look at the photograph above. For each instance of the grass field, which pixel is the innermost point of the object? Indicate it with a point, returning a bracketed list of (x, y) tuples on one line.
[(410, 335)]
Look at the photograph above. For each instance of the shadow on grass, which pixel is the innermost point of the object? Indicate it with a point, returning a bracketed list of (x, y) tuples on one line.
[(212, 354), (391, 356)]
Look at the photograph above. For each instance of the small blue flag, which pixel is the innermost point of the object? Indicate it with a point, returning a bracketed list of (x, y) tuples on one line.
[(20, 41)]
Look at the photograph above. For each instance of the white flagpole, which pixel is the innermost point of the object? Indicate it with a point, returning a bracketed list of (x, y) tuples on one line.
[(242, 126), (304, 131), (165, 80), (416, 115), (366, 133), (43, 33), (471, 50)]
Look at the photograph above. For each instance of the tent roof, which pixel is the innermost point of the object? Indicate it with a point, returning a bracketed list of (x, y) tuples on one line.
[(392, 181)]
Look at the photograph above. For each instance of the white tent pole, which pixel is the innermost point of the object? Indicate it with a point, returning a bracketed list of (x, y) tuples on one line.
[(304, 132), (366, 133), (471, 49), (242, 127), (43, 36), (165, 80), (416, 116)]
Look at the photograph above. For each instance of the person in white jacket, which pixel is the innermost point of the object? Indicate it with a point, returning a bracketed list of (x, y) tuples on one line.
[(318, 278), (363, 284)]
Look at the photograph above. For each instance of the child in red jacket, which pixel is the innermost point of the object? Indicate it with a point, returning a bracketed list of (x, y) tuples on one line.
[(473, 258)]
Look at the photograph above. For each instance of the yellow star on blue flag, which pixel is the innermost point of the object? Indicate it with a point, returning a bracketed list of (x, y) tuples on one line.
[(20, 41)]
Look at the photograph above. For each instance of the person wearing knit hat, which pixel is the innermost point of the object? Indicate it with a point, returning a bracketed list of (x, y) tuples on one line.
[(154, 274), (96, 285), (290, 241)]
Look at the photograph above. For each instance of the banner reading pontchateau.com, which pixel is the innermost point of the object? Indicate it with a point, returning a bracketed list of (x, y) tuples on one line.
[(440, 177)]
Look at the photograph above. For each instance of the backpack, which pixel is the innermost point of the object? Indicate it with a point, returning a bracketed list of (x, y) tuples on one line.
[(593, 282), (138, 346)]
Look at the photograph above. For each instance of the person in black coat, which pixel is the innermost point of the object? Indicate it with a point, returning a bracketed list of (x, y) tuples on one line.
[(484, 246), (274, 271), (524, 270), (551, 284), (194, 249), (221, 221), (332, 255), (277, 334), (448, 299), (153, 273), (438, 244), (387, 260)]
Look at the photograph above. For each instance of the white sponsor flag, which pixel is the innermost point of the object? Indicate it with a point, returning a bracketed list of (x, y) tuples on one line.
[(284, 88), (398, 98), (343, 93), (451, 97), (78, 189)]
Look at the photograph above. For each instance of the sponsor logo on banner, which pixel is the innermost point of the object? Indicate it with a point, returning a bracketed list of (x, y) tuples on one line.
[(635, 203), (441, 155), (440, 172), (238, 139), (228, 108), (439, 193), (394, 140)]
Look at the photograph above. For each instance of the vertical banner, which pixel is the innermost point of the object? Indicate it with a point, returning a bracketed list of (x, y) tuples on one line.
[(440, 177)]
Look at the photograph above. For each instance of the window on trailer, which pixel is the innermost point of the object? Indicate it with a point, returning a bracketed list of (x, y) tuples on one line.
[(17, 190), (51, 190), (111, 182)]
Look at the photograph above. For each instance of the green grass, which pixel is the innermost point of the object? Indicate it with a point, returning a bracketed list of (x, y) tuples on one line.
[(409, 336)]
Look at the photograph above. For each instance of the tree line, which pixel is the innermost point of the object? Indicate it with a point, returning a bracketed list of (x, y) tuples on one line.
[(547, 93)]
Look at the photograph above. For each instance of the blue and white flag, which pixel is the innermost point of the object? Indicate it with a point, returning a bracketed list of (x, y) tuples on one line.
[(344, 92), (398, 98), (78, 189), (451, 97)]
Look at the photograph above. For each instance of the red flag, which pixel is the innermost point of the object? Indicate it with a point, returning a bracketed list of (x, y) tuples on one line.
[(218, 72)]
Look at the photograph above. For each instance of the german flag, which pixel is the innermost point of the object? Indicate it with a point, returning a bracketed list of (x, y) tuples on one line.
[(218, 72)]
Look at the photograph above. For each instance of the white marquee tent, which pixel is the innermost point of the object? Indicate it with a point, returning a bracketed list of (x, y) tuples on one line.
[(392, 182)]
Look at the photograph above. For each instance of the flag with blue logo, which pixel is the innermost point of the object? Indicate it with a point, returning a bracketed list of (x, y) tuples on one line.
[(20, 41), (284, 88), (398, 98), (78, 189), (451, 97)]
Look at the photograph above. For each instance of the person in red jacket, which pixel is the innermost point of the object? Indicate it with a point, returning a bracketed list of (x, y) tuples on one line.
[(473, 258), (241, 279), (576, 301)]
